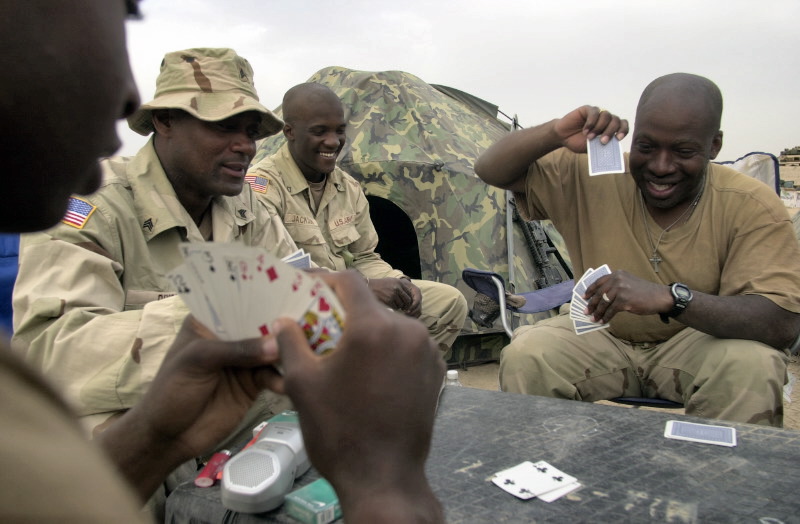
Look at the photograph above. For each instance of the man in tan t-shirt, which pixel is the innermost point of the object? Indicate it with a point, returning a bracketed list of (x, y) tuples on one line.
[(696, 312)]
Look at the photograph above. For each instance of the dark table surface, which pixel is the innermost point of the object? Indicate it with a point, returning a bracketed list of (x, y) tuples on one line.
[(629, 471)]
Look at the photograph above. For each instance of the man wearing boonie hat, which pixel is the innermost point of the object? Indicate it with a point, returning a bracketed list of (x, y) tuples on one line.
[(92, 303)]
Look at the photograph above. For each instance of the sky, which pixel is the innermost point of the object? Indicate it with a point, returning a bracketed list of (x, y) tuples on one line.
[(536, 59)]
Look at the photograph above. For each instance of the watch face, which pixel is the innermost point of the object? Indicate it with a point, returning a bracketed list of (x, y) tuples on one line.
[(681, 295)]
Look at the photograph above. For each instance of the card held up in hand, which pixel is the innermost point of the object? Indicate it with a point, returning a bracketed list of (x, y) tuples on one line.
[(605, 159)]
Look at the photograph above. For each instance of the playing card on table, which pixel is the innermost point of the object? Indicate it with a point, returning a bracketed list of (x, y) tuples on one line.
[(237, 291), (540, 479), (606, 158)]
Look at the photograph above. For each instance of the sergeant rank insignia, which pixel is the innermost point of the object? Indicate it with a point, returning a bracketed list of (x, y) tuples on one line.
[(78, 212)]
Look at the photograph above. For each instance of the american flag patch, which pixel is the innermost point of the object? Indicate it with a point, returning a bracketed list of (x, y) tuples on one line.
[(78, 212), (257, 182)]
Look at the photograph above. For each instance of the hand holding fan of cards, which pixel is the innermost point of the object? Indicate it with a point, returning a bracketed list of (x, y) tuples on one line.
[(237, 291), (582, 322)]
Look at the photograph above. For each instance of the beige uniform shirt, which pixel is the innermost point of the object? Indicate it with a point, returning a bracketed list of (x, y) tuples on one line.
[(51, 472), (340, 234), (93, 309)]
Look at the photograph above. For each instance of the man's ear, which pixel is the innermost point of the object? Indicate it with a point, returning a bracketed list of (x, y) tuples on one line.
[(716, 145), (162, 121), (288, 132)]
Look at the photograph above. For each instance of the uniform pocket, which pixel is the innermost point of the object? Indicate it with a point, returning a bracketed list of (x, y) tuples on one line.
[(344, 236), (305, 234)]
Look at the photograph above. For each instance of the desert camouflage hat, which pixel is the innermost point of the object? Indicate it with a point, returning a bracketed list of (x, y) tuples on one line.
[(210, 84)]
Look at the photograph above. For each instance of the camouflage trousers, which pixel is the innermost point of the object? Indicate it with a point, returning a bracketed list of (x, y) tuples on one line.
[(736, 380), (444, 310)]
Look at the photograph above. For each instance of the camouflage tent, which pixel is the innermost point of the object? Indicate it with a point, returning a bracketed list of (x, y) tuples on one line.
[(413, 146)]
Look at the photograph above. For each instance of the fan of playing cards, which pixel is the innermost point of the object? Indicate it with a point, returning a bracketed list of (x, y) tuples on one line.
[(237, 291), (581, 322)]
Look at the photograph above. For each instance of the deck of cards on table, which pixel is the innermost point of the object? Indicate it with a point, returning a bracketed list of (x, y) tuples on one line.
[(581, 322), (540, 479), (237, 291)]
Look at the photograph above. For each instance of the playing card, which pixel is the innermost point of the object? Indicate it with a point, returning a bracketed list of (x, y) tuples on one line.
[(237, 291), (217, 284), (581, 322), (576, 311), (323, 321), (588, 279), (703, 433), (605, 158), (190, 288), (581, 328), (557, 493), (300, 252), (528, 480), (299, 259), (269, 287), (585, 274)]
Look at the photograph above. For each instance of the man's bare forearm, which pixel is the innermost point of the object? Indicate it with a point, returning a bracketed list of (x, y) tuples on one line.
[(747, 317), (505, 164)]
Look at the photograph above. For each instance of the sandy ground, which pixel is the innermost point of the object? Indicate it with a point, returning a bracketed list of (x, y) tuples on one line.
[(485, 377)]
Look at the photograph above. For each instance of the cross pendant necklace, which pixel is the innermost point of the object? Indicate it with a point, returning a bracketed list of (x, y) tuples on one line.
[(654, 258)]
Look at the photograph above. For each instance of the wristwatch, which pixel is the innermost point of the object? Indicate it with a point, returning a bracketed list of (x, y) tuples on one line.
[(681, 296)]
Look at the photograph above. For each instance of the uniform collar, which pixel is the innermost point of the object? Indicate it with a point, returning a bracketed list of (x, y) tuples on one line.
[(293, 178), (158, 208)]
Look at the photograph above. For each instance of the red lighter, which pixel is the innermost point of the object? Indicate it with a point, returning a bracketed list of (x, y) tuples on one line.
[(208, 475)]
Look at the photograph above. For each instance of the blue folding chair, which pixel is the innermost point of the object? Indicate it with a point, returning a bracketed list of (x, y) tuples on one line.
[(493, 286)]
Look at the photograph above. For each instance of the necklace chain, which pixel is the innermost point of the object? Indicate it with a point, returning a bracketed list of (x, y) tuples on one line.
[(654, 258)]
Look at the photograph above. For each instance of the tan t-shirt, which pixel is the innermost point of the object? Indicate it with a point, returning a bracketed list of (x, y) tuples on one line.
[(739, 240)]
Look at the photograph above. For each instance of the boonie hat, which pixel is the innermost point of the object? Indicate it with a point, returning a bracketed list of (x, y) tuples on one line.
[(211, 84)]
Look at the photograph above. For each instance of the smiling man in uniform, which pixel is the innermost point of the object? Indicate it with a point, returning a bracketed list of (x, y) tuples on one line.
[(327, 213)]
